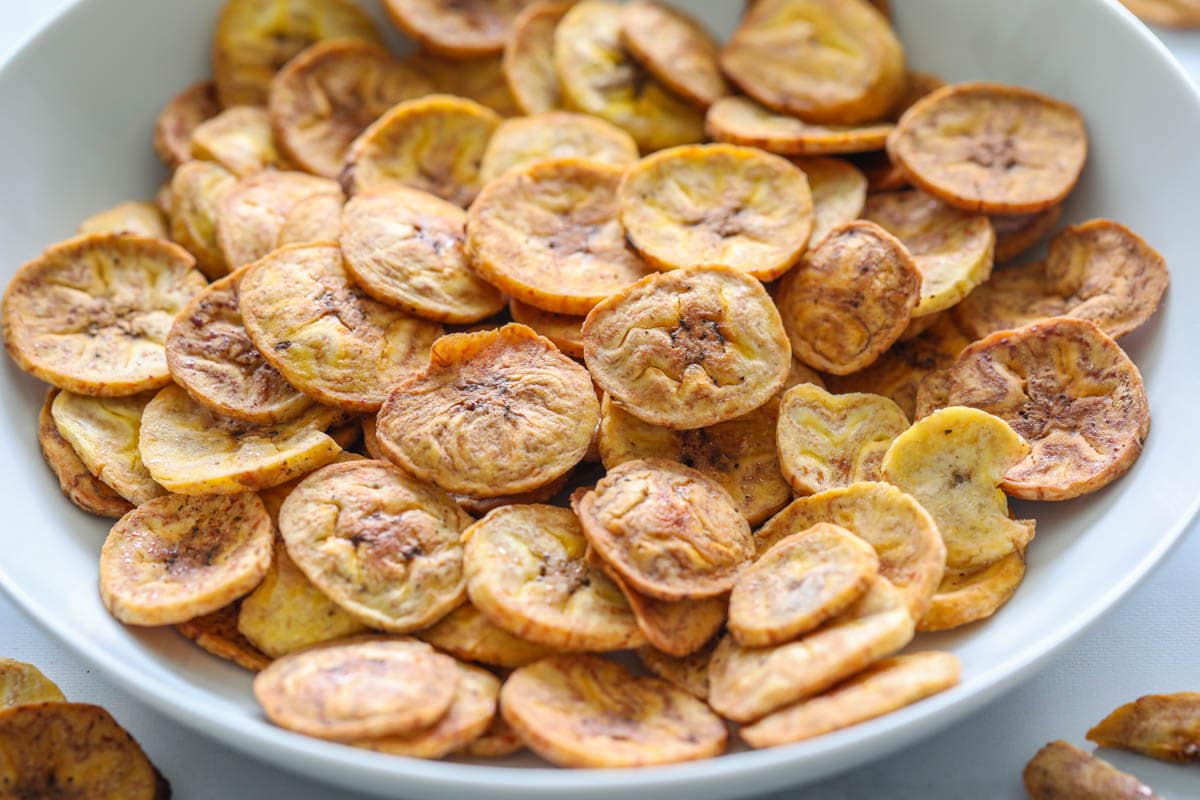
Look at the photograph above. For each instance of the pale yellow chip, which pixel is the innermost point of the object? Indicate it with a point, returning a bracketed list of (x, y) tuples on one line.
[(676, 49), (689, 673), (478, 79), (565, 330), (240, 140), (469, 634), (196, 190), (316, 218), (76, 481), (454, 28), (740, 120), (217, 634), (137, 218), (179, 117), (251, 214), (966, 596), (24, 684), (523, 141), (104, 432), (1061, 771), (1163, 726), (839, 193), (528, 62)]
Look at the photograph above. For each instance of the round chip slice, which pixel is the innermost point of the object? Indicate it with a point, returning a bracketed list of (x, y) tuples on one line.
[(717, 205), (24, 684), (251, 214), (468, 634), (549, 236), (75, 480), (239, 139), (689, 673), (405, 248), (175, 557), (1018, 233), (196, 190), (1172, 13), (849, 299), (316, 218), (676, 49), (217, 634), (180, 116), (688, 348), (104, 433), (740, 120), (839, 193), (990, 148), (523, 141), (565, 330), (598, 76), (583, 711), (456, 28), (478, 79), (434, 143), (528, 62), (968, 596), (136, 218), (381, 544)]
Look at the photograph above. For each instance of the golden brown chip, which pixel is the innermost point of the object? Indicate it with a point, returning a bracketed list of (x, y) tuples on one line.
[(175, 557), (549, 236), (528, 61), (274, 496), (496, 412), (372, 686), (565, 330), (740, 120), (457, 28), (73, 750), (255, 38), (953, 249), (676, 49), (917, 85), (882, 174), (827, 61), (1061, 771), (89, 315), (966, 596), (316, 218), (468, 634), (990, 148), (434, 143), (405, 248), (523, 141), (1172, 13), (918, 325), (1163, 726), (75, 480), (319, 330), (583, 711), (104, 433), (136, 218), (598, 76), (217, 633), (688, 348), (1018, 233), (849, 299), (748, 683), (497, 741), (179, 117), (880, 689), (23, 684), (239, 139), (839, 193), (478, 79), (689, 673), (251, 214), (717, 205), (196, 190)]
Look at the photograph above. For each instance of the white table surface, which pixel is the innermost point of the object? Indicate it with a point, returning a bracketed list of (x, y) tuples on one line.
[(1150, 643)]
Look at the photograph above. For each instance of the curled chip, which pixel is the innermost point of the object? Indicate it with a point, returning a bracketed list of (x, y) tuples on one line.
[(799, 583), (175, 558), (381, 544), (326, 96), (740, 120), (75, 480), (239, 139), (1172, 13), (73, 750), (104, 432), (953, 249), (251, 214), (689, 673), (523, 141), (404, 247), (839, 193), (1018, 233), (676, 49), (89, 315), (1164, 726), (598, 76), (526, 571), (455, 28), (826, 61), (966, 596), (468, 634), (255, 38), (434, 143), (196, 190), (497, 740), (827, 441), (327, 339), (565, 330), (669, 531), (880, 689), (952, 462), (688, 348), (717, 205), (990, 148), (583, 711), (528, 63), (748, 683), (496, 412), (478, 79), (217, 633), (1061, 771), (181, 116), (136, 218), (849, 299), (1070, 391), (549, 235), (24, 684), (371, 686)]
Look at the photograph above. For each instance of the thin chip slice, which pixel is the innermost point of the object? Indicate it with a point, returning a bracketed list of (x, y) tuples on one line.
[(89, 315), (468, 634), (528, 62), (880, 689), (176, 558), (688, 348), (565, 330), (740, 120), (523, 141), (717, 205), (478, 79), (917, 85), (1172, 13), (24, 684), (676, 49), (196, 190), (839, 193), (1061, 771), (1019, 233), (689, 673), (549, 236), (952, 462), (136, 217), (849, 299), (457, 28), (217, 633), (497, 741), (179, 117), (990, 148), (968, 596), (239, 139), (251, 214), (104, 433), (316, 218), (583, 711), (76, 481), (478, 506), (1163, 726)]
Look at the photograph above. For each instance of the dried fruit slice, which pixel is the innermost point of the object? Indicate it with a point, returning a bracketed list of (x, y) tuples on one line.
[(689, 673), (372, 686), (549, 236), (179, 117), (196, 190), (565, 330), (583, 711), (478, 506), (251, 214), (468, 634), (598, 76), (75, 480), (880, 689), (478, 79), (740, 120), (434, 143), (1163, 726), (497, 741), (688, 348), (328, 340), (457, 28), (175, 558), (1172, 13), (528, 62), (669, 531), (316, 218), (404, 247), (89, 315), (968, 596), (217, 634), (239, 139), (1061, 771), (717, 205), (1018, 233), (676, 49), (104, 434), (255, 38), (849, 299), (381, 544), (990, 148), (952, 249), (523, 141), (839, 193), (748, 683), (526, 571), (136, 217), (24, 684), (826, 61), (917, 85), (952, 462)]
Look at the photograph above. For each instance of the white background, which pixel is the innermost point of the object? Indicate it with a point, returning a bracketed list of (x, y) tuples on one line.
[(1150, 643)]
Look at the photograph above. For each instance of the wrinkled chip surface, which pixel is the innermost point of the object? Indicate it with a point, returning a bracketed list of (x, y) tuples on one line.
[(24, 684), (457, 28), (523, 141), (467, 633), (239, 139), (839, 193), (138, 218), (478, 79), (179, 117), (104, 434), (565, 330), (316, 218), (528, 61), (75, 480), (1061, 771), (966, 596), (676, 49), (196, 190), (251, 214), (689, 673), (740, 120), (1163, 726), (217, 633), (1018, 233)]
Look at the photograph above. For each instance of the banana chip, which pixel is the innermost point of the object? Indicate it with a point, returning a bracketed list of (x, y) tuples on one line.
[(468, 634), (565, 330), (455, 28), (175, 558), (251, 214), (523, 141), (75, 480), (968, 596), (1018, 233), (583, 711), (135, 218), (1172, 13), (497, 741), (23, 684), (217, 633), (104, 433), (196, 190), (239, 139), (316, 218), (180, 116), (528, 63), (740, 120), (478, 79), (1163, 726), (676, 49), (478, 506), (689, 673), (839, 193), (1061, 771)]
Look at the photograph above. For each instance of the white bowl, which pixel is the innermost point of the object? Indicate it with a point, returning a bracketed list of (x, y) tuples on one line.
[(79, 101)]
